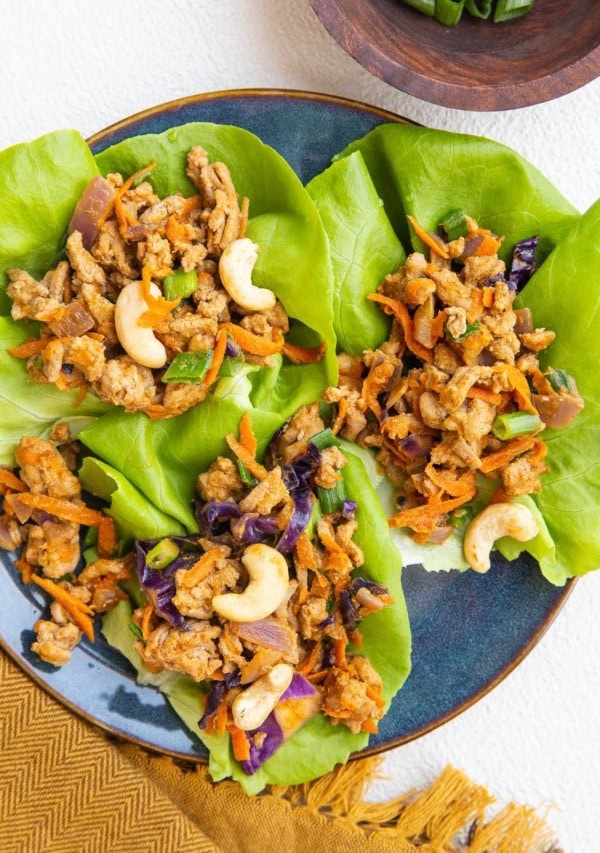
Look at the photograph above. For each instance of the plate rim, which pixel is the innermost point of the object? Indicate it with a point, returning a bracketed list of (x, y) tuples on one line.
[(127, 737)]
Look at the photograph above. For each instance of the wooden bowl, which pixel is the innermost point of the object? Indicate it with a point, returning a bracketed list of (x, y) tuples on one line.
[(476, 65)]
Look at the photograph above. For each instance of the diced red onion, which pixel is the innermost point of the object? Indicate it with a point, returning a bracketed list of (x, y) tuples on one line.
[(92, 208), (76, 320), (267, 633)]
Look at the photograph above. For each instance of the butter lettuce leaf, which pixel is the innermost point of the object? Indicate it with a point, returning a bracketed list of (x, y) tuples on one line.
[(364, 248), (425, 173), (40, 183), (318, 746)]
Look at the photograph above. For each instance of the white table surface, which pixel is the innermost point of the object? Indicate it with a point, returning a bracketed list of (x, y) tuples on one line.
[(72, 63)]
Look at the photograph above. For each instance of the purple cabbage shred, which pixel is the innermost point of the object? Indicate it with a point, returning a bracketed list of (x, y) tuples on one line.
[(523, 263)]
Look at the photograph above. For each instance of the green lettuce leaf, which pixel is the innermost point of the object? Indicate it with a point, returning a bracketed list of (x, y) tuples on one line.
[(26, 411), (318, 746), (293, 262), (426, 173), (364, 248), (40, 183)]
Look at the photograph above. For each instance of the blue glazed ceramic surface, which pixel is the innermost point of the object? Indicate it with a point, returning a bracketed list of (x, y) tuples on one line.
[(469, 630)]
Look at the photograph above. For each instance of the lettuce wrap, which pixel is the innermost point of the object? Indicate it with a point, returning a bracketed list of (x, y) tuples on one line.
[(425, 173), (318, 746), (40, 184)]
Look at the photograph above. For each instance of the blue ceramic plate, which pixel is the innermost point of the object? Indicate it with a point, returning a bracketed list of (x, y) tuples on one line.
[(469, 630)]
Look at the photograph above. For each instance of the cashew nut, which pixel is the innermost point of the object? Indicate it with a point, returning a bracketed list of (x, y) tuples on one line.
[(138, 341), (269, 579), (495, 521), (252, 707), (235, 269)]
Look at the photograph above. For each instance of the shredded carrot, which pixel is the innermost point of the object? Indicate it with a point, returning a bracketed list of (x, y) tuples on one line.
[(221, 717), (176, 230), (254, 344), (488, 246), (327, 537), (337, 714), (339, 650), (374, 383), (355, 638), (31, 347), (518, 382), (158, 306), (489, 295), (435, 245), (538, 454), (62, 508), (306, 556), (135, 177), (217, 359), (146, 620), (304, 355), (255, 468), (311, 660), (239, 743), (77, 610), (507, 453), (400, 312), (247, 437), (83, 389), (475, 391), (375, 696), (245, 209), (317, 677), (203, 567), (107, 536), (11, 481), (422, 518), (194, 202), (418, 289), (438, 323), (454, 486), (370, 726), (25, 568)]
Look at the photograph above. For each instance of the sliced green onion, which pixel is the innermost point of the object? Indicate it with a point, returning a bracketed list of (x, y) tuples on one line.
[(324, 439), (189, 366), (135, 630), (315, 518), (461, 516), (245, 476), (162, 555), (561, 379), (470, 330), (454, 225), (507, 9), (449, 12), (427, 7), (90, 555), (479, 8), (332, 500), (181, 283), (516, 423)]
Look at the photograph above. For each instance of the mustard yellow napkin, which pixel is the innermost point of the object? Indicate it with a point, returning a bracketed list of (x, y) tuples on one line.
[(68, 787)]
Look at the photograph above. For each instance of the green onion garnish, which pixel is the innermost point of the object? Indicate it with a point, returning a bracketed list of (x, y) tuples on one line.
[(324, 439), (507, 9), (470, 330), (135, 630), (245, 476), (460, 516), (162, 554), (181, 283), (561, 379), (454, 225), (332, 500), (189, 366), (479, 8), (426, 7), (516, 423), (449, 12)]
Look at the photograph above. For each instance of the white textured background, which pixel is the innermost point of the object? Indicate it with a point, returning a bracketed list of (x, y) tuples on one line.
[(70, 63)]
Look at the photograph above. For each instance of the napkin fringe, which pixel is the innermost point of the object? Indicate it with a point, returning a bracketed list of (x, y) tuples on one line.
[(449, 816)]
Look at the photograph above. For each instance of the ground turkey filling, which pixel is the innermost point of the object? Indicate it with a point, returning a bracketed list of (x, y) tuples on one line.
[(143, 238)]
